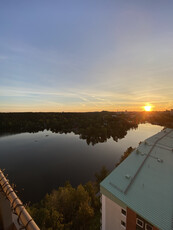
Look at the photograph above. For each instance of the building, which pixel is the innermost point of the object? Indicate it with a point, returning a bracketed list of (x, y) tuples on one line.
[(13, 215), (138, 194)]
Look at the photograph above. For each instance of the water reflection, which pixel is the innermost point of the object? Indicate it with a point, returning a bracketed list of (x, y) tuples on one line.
[(92, 127), (42, 161)]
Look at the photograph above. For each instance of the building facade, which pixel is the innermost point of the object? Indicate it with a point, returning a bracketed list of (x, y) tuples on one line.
[(138, 194)]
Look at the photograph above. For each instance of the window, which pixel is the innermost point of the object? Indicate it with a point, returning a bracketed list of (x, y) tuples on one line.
[(123, 212), (140, 223), (148, 227), (123, 223)]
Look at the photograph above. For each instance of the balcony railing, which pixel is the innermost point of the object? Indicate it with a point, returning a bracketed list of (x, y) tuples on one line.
[(13, 215)]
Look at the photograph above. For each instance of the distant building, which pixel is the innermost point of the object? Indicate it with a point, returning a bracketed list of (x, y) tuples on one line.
[(138, 194)]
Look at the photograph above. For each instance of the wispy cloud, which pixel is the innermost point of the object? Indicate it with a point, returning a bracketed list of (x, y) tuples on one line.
[(118, 55)]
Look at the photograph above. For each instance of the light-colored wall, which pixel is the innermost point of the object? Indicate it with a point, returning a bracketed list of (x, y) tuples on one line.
[(5, 213), (111, 215)]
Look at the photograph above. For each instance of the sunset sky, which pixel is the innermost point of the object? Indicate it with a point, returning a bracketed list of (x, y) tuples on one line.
[(92, 55)]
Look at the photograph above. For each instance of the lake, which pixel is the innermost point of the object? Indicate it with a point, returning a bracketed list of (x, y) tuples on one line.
[(39, 162)]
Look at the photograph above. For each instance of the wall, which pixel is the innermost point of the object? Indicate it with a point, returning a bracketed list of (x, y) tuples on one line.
[(5, 213), (131, 219), (111, 215)]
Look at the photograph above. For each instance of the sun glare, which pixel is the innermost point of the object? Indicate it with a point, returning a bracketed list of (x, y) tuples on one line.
[(147, 108)]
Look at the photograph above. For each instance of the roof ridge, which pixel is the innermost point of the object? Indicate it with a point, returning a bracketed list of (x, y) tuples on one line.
[(140, 167)]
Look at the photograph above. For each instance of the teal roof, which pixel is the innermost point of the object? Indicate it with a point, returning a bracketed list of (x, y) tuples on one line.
[(144, 180)]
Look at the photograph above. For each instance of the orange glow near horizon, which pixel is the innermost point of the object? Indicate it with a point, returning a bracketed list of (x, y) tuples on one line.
[(148, 108), (85, 107)]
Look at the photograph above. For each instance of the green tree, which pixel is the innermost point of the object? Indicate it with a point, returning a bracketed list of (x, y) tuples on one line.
[(101, 176), (66, 208), (125, 155)]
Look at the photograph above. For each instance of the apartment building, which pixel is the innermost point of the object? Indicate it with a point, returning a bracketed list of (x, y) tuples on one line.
[(138, 194)]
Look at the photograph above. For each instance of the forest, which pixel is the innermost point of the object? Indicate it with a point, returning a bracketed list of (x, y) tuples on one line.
[(92, 127), (69, 208), (78, 207)]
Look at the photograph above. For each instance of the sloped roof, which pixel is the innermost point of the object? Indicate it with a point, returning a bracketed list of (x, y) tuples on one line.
[(144, 181)]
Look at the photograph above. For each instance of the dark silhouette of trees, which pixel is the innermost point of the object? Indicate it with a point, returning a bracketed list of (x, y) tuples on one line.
[(101, 176), (125, 155), (92, 127), (72, 208)]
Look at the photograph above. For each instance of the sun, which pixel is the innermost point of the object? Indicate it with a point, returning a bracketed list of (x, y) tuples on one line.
[(147, 108)]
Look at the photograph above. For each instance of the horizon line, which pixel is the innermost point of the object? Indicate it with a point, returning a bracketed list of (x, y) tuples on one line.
[(118, 111)]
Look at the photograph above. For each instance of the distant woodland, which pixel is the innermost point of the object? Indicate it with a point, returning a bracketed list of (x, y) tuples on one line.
[(78, 208), (93, 127)]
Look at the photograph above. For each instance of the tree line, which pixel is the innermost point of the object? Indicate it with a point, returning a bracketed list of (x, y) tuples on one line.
[(92, 127), (69, 208)]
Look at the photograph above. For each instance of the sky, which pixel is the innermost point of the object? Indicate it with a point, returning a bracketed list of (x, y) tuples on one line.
[(86, 55)]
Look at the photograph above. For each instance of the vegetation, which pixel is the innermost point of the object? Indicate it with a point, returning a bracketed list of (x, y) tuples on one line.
[(100, 176), (93, 127), (125, 155), (164, 118), (69, 207), (72, 208)]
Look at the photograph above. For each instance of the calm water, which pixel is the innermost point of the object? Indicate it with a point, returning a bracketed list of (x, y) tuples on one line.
[(40, 162)]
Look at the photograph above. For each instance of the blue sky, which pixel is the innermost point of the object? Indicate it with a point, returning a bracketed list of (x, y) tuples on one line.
[(86, 55)]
